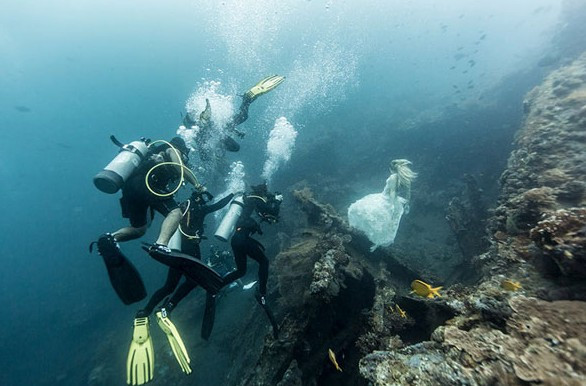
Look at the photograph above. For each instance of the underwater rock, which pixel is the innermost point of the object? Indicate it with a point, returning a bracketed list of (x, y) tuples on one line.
[(562, 237), (545, 172), (292, 376), (324, 288), (506, 337), (420, 364), (337, 295), (466, 215), (542, 343)]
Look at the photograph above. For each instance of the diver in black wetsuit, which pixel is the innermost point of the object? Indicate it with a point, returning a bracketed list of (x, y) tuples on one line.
[(266, 205), (204, 121), (137, 199), (192, 228)]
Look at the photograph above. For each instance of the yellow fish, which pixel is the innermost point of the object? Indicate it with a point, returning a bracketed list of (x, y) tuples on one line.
[(333, 359), (402, 313), (425, 290), (510, 285)]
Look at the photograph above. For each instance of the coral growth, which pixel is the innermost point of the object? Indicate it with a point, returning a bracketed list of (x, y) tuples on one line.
[(562, 237), (537, 345)]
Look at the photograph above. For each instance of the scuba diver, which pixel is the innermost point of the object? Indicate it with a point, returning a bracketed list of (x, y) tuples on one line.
[(205, 123), (239, 222), (191, 229), (186, 239), (146, 172)]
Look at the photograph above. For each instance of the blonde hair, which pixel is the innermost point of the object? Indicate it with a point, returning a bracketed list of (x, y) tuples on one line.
[(404, 172)]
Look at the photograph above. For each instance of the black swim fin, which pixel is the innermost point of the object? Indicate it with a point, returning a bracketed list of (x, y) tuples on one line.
[(209, 316), (191, 267), (262, 301), (124, 277)]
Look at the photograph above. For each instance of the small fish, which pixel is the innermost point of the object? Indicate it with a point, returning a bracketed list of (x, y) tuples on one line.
[(510, 285), (425, 290), (402, 313), (332, 356), (22, 109)]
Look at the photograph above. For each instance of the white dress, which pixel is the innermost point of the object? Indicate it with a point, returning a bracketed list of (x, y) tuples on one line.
[(378, 215)]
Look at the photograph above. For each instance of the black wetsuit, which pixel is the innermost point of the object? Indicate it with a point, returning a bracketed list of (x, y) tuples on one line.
[(191, 224), (137, 198), (228, 143), (244, 246)]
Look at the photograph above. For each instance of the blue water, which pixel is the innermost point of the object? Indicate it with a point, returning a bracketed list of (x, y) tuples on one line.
[(74, 72)]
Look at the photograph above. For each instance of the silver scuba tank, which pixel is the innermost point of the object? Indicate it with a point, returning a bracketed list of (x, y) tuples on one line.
[(112, 177), (228, 224), (175, 242)]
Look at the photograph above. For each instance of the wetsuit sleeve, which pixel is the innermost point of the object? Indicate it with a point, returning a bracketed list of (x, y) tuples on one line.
[(219, 205)]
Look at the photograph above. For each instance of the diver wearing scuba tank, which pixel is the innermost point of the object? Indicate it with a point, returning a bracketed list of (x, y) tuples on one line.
[(205, 124), (146, 188), (266, 205), (191, 230)]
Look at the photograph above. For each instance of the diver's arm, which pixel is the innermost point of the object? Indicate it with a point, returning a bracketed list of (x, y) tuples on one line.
[(219, 204), (188, 176)]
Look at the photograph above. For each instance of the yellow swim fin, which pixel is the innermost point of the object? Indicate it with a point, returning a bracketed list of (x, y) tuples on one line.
[(175, 340), (141, 356), (264, 86)]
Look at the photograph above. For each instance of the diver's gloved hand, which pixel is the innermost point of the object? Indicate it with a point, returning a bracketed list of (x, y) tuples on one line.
[(239, 133), (406, 208)]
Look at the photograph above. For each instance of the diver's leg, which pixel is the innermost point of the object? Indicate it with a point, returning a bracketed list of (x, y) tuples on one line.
[(257, 254), (167, 289), (240, 260), (182, 291), (169, 226), (136, 211), (191, 248), (129, 233), (242, 114)]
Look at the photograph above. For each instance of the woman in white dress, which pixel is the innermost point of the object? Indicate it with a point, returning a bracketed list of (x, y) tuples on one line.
[(378, 215)]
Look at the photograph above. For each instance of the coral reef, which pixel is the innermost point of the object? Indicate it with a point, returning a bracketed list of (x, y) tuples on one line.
[(323, 285), (334, 294), (546, 171), (501, 337), (466, 215), (537, 344), (562, 237)]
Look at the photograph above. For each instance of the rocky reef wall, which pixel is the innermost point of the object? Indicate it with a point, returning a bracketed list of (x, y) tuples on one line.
[(329, 292), (519, 336)]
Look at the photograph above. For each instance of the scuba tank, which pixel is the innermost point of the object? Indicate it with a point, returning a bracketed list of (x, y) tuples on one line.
[(113, 176), (175, 242), (228, 224)]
